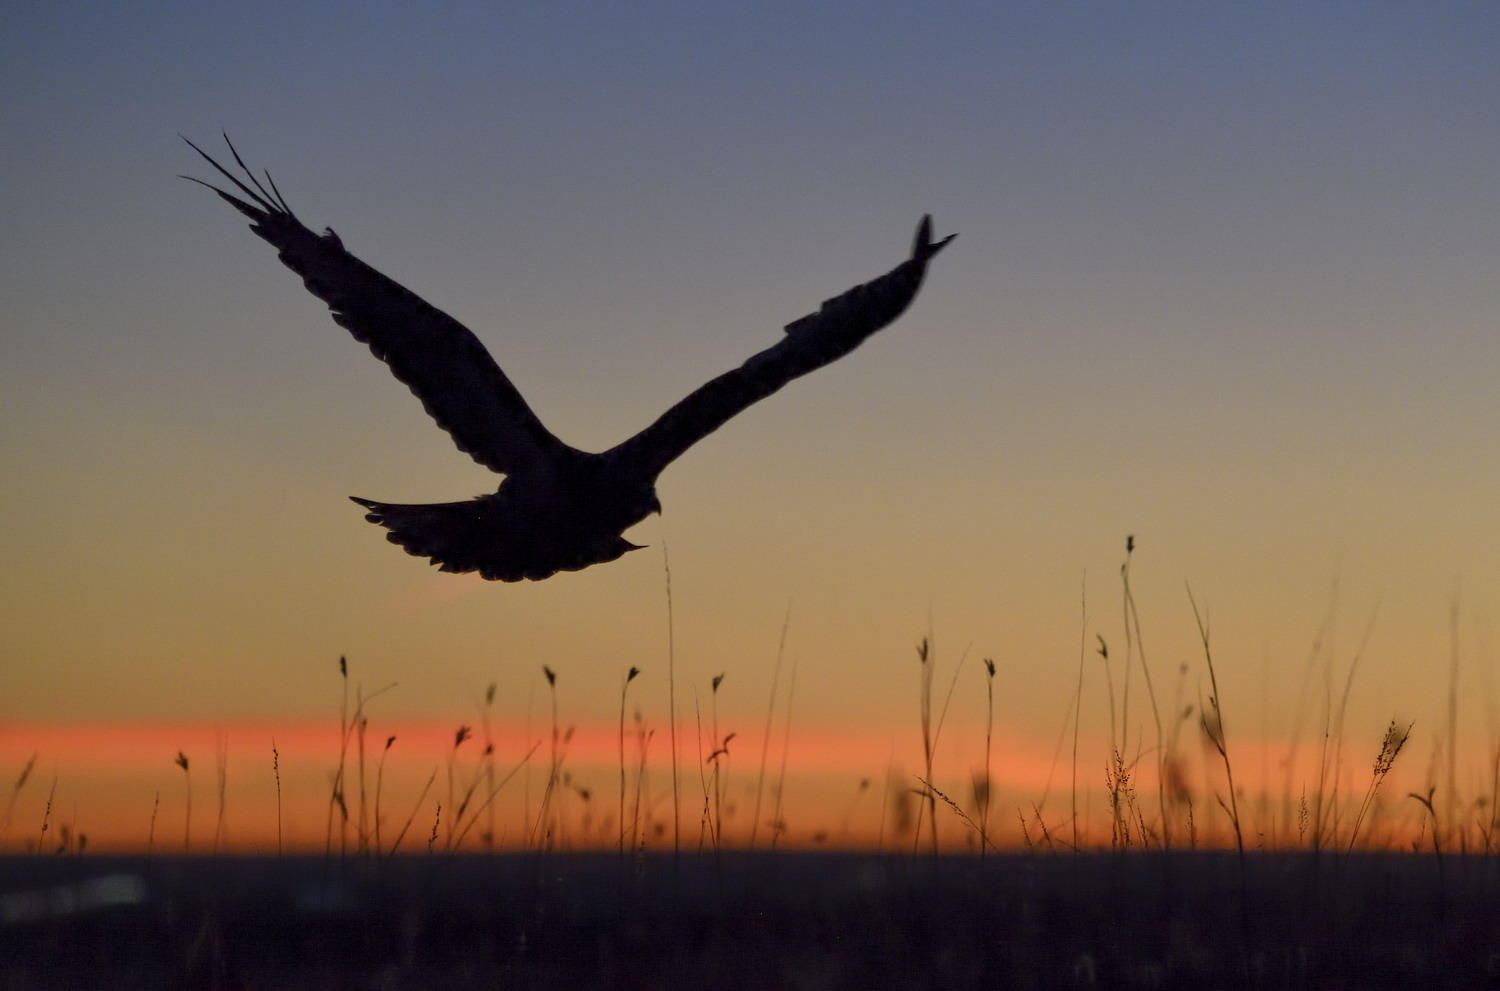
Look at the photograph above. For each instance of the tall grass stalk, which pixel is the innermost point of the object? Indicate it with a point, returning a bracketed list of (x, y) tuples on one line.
[(705, 814), (495, 790), (643, 744), (379, 783), (41, 842), (489, 762), (666, 564), (989, 732), (151, 829), (624, 688), (1135, 644), (187, 819), (1115, 776), (779, 823), (721, 750), (526, 785), (1452, 790), (414, 809), (765, 740), (1083, 636), (885, 797), (221, 774), (554, 763), (460, 735), (925, 668), (1329, 809), (335, 797), (1216, 732), (1395, 738), (933, 793), (363, 837), (276, 771), (1294, 810)]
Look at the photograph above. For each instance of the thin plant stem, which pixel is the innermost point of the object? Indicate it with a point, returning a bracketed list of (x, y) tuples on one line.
[(415, 808), (624, 688), (672, 703), (765, 740), (1083, 632), (1219, 736), (276, 770), (786, 745)]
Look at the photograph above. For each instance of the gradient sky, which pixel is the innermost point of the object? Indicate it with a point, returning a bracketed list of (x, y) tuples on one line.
[(1226, 281)]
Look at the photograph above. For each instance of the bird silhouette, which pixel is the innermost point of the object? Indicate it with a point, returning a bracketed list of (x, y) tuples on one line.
[(557, 508)]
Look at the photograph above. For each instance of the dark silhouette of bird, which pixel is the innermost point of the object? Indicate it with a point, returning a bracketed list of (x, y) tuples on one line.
[(557, 508)]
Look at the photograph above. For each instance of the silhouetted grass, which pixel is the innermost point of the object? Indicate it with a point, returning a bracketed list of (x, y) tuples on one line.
[(1406, 905)]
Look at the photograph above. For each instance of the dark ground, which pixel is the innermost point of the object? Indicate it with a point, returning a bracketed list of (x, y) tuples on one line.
[(784, 920)]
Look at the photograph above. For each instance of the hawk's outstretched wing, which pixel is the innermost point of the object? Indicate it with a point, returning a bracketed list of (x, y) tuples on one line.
[(444, 364), (838, 327)]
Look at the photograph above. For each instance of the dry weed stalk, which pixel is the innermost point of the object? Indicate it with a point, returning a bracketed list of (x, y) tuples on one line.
[(1083, 636), (390, 741), (276, 772), (779, 823), (151, 829), (989, 732), (1212, 722), (926, 664), (630, 676), (1135, 644), (460, 735), (489, 762), (221, 772), (494, 791), (47, 815), (1395, 738), (932, 793), (187, 822), (672, 703), (722, 751), (336, 797), (765, 740), (414, 809)]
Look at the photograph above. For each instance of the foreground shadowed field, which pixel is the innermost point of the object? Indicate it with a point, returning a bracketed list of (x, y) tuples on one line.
[(752, 921)]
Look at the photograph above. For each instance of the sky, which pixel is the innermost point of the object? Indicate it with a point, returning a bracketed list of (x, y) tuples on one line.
[(1226, 283)]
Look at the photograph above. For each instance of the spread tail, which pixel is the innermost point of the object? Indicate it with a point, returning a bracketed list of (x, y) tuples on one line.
[(474, 535)]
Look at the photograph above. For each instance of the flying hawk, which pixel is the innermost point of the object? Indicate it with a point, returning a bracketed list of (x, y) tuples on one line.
[(557, 508)]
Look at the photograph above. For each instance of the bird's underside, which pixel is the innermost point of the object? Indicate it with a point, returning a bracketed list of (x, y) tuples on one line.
[(558, 508)]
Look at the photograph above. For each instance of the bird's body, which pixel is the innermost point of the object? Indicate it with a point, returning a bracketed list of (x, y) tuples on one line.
[(563, 517), (558, 508)]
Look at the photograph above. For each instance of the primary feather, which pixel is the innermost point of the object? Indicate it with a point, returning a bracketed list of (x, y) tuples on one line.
[(558, 508)]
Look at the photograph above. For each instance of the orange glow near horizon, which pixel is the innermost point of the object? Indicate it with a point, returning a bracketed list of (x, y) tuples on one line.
[(109, 781)]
